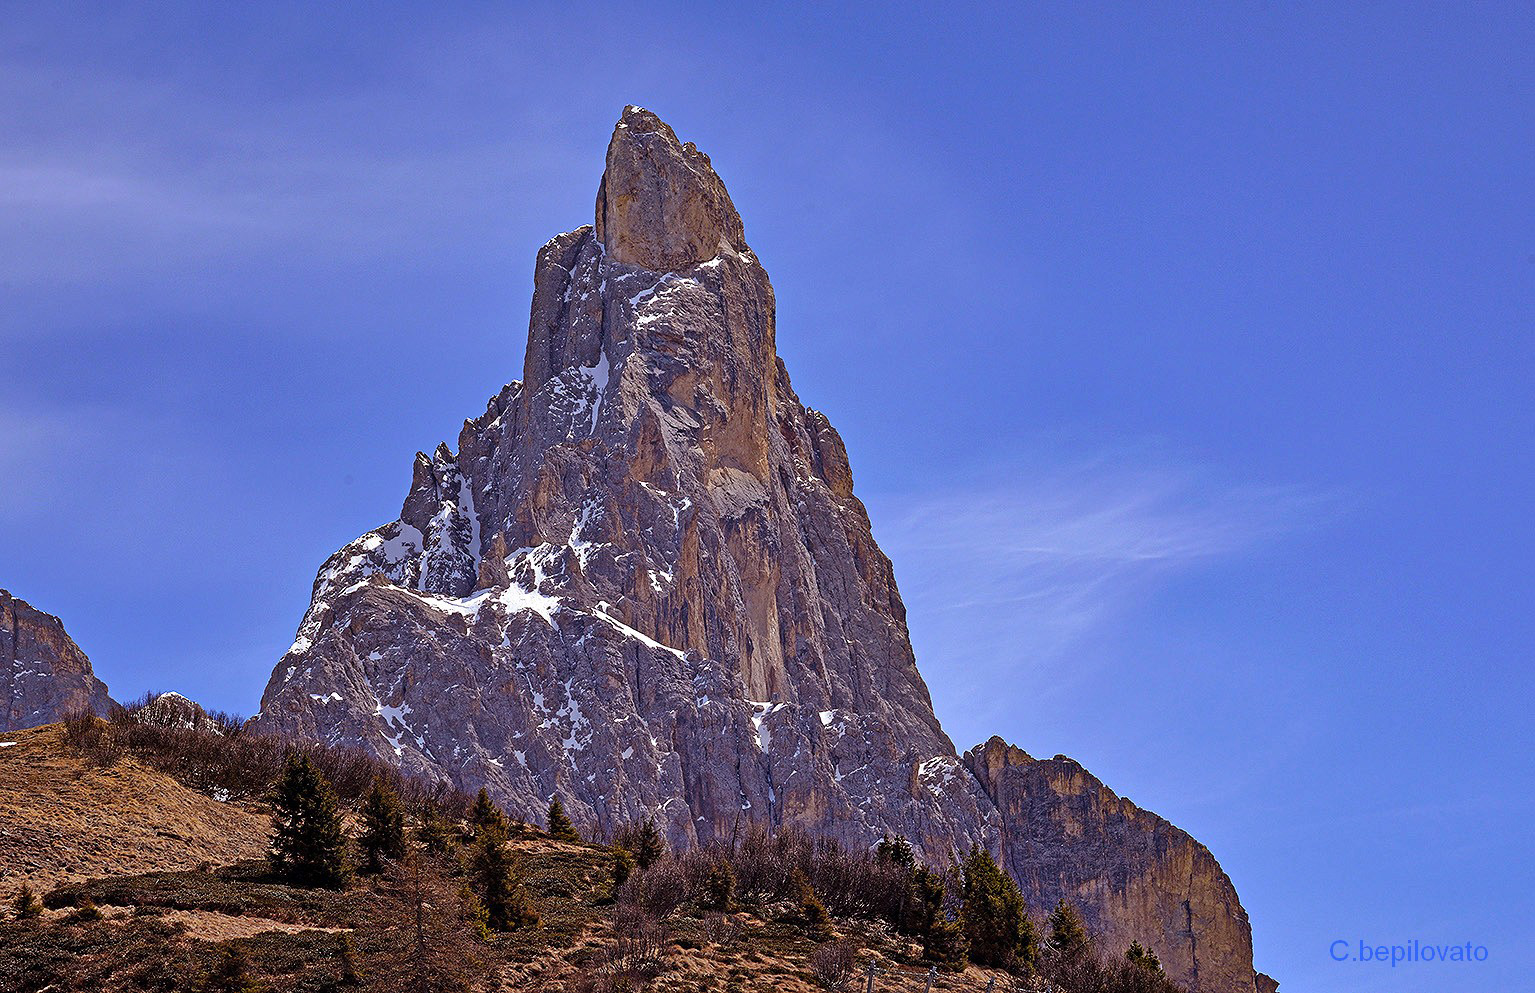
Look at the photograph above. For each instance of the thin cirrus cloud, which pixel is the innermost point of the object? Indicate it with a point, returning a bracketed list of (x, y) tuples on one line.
[(1008, 578), (112, 178)]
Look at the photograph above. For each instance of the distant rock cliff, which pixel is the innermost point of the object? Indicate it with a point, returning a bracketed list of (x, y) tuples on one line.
[(643, 582), (43, 673), (1065, 835)]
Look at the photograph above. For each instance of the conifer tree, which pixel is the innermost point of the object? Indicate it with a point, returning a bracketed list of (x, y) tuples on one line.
[(230, 975), (485, 816), (897, 852), (500, 894), (348, 955), (649, 848), (383, 827), (1068, 935), (26, 904), (1139, 955), (810, 905), (559, 825), (623, 865), (307, 843), (942, 939), (717, 890), (434, 833), (999, 932)]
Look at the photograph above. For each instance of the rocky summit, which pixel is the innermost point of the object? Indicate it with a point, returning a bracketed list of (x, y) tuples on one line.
[(643, 584), (44, 675)]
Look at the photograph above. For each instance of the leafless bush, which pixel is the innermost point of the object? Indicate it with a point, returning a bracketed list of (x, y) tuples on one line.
[(659, 890), (639, 939), (832, 964), (634, 958), (765, 862), (854, 882), (602, 980), (721, 929), (1098, 974), (851, 882), (224, 759)]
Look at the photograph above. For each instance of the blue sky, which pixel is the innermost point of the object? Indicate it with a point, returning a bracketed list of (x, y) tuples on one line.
[(1184, 358)]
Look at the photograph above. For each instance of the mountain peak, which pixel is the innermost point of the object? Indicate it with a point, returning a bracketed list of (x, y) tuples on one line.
[(44, 675), (661, 205), (645, 584)]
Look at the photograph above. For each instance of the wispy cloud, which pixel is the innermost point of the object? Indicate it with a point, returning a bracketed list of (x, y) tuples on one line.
[(1008, 580), (111, 177)]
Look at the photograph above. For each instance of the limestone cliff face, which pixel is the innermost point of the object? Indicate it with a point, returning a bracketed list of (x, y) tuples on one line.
[(642, 582), (1134, 876), (43, 673)]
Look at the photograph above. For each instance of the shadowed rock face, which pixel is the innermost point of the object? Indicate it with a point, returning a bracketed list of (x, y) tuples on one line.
[(43, 673), (643, 582), (1134, 876)]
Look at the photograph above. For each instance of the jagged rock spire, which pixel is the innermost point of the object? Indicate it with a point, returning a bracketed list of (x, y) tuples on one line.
[(661, 205), (644, 584)]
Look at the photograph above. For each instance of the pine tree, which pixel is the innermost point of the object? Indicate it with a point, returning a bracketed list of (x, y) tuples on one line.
[(434, 833), (486, 816), (26, 904), (307, 842), (925, 904), (897, 852), (1138, 954), (945, 945), (1068, 935), (649, 848), (942, 939), (623, 865), (718, 888), (500, 894), (999, 932), (383, 827), (230, 975), (560, 827)]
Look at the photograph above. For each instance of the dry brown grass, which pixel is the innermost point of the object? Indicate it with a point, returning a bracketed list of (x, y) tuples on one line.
[(65, 819)]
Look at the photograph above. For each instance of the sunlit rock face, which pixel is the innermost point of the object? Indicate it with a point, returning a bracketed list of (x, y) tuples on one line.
[(642, 582), (44, 676), (1133, 875)]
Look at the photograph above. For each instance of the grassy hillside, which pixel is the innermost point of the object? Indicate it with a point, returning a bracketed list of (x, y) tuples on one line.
[(149, 884)]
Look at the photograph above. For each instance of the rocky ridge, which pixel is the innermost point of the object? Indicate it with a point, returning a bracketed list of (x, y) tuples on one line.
[(1067, 836), (43, 674), (643, 584)]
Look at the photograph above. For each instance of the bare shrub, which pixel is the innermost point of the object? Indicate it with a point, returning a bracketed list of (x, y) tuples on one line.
[(639, 940), (832, 964), (224, 759), (1093, 973), (765, 862), (850, 882), (721, 929), (633, 960), (659, 890)]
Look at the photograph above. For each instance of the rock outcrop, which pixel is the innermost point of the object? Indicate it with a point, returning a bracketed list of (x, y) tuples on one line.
[(1134, 876), (43, 673), (643, 582), (172, 710)]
